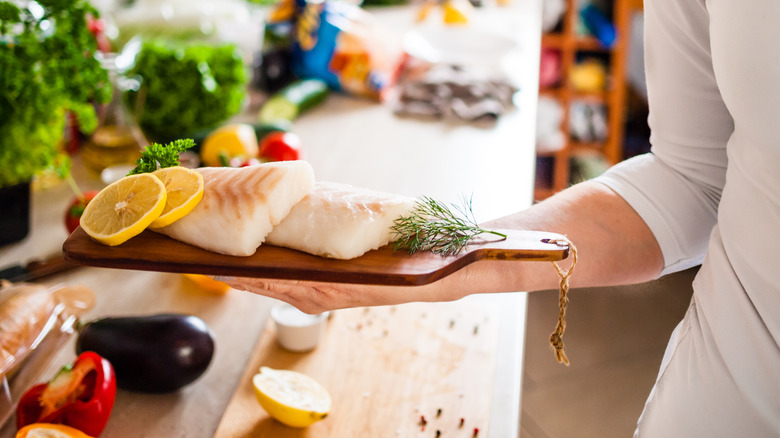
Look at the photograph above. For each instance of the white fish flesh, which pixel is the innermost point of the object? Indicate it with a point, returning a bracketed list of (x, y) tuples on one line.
[(241, 205), (340, 221)]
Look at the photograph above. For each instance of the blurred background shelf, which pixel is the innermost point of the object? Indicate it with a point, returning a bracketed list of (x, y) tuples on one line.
[(589, 88)]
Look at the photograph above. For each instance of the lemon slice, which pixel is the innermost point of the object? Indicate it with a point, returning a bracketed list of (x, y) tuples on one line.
[(184, 189), (124, 209), (292, 398)]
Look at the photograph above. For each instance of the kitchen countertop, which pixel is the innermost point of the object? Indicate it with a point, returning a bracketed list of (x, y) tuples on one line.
[(346, 140)]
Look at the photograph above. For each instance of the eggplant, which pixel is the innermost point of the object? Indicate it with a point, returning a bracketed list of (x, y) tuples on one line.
[(153, 353)]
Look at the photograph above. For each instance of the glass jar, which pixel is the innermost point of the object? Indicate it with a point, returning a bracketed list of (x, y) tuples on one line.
[(117, 140)]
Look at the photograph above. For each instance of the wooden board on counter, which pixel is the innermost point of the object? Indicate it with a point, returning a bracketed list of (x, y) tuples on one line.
[(151, 251), (385, 367)]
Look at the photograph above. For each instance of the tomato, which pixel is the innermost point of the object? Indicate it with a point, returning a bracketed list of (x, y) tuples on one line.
[(280, 146), (76, 209), (96, 25)]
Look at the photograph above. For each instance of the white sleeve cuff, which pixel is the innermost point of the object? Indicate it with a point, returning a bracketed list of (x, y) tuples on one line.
[(679, 216)]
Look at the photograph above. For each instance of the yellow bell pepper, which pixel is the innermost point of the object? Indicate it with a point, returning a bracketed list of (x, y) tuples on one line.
[(208, 284)]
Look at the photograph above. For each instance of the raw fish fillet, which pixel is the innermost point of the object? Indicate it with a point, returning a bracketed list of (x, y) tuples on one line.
[(340, 221), (241, 205)]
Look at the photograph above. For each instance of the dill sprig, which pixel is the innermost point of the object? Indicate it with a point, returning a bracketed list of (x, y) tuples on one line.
[(437, 227)]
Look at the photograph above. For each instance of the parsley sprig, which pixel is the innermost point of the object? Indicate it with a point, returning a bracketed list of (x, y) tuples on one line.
[(437, 227), (47, 66), (156, 156)]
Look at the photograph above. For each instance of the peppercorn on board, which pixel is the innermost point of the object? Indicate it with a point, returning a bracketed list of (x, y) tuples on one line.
[(151, 251), (406, 370)]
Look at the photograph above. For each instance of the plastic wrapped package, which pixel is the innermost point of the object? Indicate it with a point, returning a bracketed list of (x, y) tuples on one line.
[(456, 93), (35, 321), (346, 47)]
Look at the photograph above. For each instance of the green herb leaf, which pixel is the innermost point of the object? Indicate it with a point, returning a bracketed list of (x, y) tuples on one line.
[(186, 87), (434, 226), (156, 156), (48, 66)]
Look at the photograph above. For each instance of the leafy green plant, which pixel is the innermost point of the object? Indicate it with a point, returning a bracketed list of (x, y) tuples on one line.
[(47, 66), (186, 88)]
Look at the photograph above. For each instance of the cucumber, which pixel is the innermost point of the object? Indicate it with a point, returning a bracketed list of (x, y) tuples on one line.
[(263, 129), (293, 100)]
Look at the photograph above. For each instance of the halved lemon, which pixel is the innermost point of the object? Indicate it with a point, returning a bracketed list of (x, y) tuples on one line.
[(124, 209), (184, 189), (290, 397)]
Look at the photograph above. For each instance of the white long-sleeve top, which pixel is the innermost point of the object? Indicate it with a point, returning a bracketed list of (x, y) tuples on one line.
[(710, 192)]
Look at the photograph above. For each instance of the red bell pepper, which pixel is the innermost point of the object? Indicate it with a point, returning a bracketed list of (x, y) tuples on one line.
[(81, 395)]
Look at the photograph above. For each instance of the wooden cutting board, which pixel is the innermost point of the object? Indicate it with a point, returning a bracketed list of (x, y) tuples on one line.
[(151, 251), (385, 368)]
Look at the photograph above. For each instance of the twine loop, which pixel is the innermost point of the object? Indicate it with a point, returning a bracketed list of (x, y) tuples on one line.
[(556, 338)]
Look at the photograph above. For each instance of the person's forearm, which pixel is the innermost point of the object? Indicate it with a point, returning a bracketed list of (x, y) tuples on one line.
[(614, 244)]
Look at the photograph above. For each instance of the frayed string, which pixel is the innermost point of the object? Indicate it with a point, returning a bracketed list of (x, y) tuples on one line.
[(556, 338)]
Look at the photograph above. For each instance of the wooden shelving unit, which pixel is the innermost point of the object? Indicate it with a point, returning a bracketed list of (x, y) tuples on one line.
[(571, 45)]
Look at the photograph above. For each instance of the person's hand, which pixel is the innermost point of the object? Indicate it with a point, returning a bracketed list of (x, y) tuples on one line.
[(317, 297), (478, 277)]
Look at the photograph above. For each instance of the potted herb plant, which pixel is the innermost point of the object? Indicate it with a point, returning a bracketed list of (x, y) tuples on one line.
[(47, 67)]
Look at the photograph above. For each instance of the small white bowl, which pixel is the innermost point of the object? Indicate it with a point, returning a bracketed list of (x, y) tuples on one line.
[(297, 331)]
